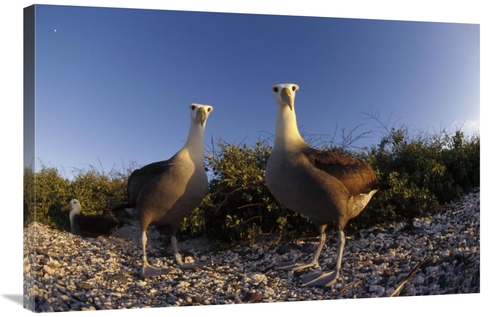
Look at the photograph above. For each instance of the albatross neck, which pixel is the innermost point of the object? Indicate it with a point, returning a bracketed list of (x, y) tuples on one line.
[(287, 133), (195, 144), (75, 211)]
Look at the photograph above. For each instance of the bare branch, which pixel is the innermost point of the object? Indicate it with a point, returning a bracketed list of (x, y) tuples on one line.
[(409, 276)]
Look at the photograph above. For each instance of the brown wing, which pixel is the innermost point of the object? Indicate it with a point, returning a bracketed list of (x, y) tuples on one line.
[(144, 175), (356, 175), (94, 225)]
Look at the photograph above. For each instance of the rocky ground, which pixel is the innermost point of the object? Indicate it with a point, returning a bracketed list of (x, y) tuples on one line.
[(65, 272)]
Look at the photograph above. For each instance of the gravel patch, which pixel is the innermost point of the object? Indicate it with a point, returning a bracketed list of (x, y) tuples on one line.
[(66, 272)]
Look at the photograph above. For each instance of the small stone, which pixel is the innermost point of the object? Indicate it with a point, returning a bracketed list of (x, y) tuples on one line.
[(282, 249), (48, 269), (197, 299), (85, 286), (253, 297), (258, 278), (379, 261), (120, 277), (308, 248)]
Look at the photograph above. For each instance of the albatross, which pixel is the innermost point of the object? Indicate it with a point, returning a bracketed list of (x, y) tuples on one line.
[(163, 193), (327, 187), (89, 225)]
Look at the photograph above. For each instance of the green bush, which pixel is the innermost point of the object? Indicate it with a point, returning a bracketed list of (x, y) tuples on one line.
[(44, 192), (47, 191), (193, 225), (29, 190), (461, 157), (423, 171)]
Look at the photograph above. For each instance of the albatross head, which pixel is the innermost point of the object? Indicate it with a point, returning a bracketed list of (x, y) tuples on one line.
[(285, 94), (74, 206), (199, 113)]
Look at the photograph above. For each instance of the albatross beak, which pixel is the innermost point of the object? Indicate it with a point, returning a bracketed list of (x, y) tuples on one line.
[(286, 97), (201, 116), (67, 207)]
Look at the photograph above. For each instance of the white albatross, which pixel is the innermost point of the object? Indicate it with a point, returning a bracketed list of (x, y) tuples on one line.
[(328, 188)]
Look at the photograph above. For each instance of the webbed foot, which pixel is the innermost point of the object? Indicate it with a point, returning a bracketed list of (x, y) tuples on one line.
[(148, 270), (320, 279), (193, 265)]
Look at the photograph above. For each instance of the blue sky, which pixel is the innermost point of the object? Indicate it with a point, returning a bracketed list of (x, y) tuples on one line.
[(113, 85)]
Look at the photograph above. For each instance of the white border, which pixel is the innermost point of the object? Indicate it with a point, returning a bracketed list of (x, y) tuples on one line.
[(478, 11)]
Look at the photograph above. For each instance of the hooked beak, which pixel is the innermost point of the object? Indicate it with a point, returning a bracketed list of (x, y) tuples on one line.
[(286, 97), (201, 116), (67, 207)]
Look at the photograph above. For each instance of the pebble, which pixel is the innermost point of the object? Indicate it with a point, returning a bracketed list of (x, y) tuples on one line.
[(66, 272)]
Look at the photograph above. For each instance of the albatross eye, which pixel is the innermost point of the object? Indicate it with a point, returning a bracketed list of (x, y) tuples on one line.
[(193, 107), (294, 88), (275, 89)]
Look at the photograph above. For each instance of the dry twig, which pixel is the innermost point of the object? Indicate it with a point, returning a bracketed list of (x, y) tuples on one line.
[(353, 284), (408, 277)]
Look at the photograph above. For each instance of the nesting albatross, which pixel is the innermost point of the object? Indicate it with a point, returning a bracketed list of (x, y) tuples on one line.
[(328, 188), (163, 193), (89, 225)]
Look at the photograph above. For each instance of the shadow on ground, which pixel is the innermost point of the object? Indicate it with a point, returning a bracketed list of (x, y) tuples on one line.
[(16, 298)]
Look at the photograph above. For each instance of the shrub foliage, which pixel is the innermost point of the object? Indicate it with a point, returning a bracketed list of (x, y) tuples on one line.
[(47, 191), (422, 171)]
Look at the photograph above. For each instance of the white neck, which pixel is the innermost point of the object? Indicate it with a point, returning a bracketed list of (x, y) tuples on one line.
[(195, 144), (74, 211), (287, 133)]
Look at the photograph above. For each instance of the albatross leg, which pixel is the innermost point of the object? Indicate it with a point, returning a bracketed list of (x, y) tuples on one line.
[(179, 260), (328, 278), (292, 266), (147, 269)]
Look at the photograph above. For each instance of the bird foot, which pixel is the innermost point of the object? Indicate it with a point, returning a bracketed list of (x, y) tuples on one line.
[(148, 270), (193, 265), (293, 266), (320, 279)]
